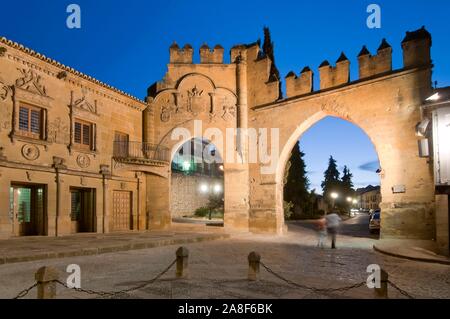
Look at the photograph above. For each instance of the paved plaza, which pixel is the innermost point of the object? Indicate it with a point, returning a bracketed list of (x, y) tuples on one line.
[(218, 269)]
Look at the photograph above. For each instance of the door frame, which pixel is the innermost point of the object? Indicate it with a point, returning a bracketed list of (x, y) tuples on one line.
[(93, 207), (131, 220), (15, 225)]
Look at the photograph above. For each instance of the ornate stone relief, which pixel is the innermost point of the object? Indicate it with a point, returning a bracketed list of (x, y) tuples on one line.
[(83, 103), (58, 132), (229, 108), (31, 81), (4, 90), (83, 161), (195, 101), (30, 152), (194, 98), (335, 108)]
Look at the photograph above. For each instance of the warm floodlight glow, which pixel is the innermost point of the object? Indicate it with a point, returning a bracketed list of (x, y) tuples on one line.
[(334, 195), (217, 188), (204, 188), (434, 97)]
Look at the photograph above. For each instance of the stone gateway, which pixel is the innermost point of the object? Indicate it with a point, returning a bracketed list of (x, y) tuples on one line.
[(78, 155)]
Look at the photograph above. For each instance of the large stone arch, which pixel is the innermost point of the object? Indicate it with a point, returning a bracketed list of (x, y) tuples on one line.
[(388, 112), (217, 113)]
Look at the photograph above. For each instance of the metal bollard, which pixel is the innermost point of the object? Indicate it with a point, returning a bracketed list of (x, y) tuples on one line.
[(45, 277), (382, 292), (254, 260), (182, 262)]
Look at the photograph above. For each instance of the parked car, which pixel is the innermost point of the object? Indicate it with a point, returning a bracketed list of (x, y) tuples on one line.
[(375, 221)]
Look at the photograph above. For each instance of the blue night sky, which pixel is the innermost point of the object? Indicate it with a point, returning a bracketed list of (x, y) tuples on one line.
[(125, 44)]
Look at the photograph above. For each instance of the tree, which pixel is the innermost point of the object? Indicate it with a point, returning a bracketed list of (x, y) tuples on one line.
[(331, 182), (347, 183), (268, 50), (296, 181)]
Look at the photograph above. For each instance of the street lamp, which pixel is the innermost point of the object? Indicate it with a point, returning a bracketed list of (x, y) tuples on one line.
[(349, 201), (210, 188), (334, 196)]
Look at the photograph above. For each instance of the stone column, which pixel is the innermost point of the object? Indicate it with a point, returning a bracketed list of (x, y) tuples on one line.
[(106, 173), (58, 165), (148, 124), (236, 175), (158, 201)]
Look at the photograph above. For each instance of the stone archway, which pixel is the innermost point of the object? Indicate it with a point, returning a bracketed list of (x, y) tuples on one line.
[(384, 103), (387, 112)]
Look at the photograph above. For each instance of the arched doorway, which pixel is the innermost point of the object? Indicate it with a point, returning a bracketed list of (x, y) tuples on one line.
[(197, 184), (333, 168)]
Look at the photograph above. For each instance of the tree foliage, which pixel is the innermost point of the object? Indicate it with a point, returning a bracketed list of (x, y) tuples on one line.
[(296, 182), (331, 182), (269, 51)]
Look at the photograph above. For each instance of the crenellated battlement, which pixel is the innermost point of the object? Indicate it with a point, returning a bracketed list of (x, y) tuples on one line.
[(264, 86), (208, 56), (416, 53), (181, 56), (331, 76), (372, 65), (302, 84)]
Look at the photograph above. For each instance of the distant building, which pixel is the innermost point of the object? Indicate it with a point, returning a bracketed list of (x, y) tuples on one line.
[(369, 197), (434, 131)]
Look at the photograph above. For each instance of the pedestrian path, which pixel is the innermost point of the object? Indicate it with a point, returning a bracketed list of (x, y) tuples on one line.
[(419, 250), (38, 248)]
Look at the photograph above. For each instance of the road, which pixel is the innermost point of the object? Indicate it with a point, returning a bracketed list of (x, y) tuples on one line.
[(218, 269)]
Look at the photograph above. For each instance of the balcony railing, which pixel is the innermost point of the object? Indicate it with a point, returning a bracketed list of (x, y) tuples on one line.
[(141, 152)]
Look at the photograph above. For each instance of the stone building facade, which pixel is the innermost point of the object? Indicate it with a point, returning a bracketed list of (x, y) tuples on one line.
[(58, 171), (369, 197), (202, 101)]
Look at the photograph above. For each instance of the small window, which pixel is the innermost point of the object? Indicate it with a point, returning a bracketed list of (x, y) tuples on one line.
[(83, 137), (30, 121)]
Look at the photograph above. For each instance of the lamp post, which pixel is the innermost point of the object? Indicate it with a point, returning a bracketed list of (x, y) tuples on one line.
[(334, 196), (211, 189)]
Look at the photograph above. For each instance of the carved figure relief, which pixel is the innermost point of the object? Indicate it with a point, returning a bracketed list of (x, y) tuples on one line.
[(83, 103), (83, 161), (30, 152), (58, 132), (195, 96), (195, 101), (229, 109), (4, 90), (31, 81)]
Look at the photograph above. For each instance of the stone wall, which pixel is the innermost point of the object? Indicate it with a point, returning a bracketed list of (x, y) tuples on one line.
[(186, 195)]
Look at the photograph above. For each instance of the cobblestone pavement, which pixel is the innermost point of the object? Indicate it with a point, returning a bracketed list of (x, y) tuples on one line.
[(219, 269)]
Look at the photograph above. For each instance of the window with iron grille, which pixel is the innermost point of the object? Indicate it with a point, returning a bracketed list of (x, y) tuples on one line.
[(30, 121), (83, 134)]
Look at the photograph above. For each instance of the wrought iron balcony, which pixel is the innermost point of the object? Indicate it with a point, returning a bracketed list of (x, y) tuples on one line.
[(141, 153)]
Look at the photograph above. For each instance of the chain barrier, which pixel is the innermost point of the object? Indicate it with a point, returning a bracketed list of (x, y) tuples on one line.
[(318, 290), (25, 292), (103, 294), (330, 290)]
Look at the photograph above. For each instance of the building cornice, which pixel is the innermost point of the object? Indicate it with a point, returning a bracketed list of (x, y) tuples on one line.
[(72, 71)]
